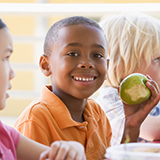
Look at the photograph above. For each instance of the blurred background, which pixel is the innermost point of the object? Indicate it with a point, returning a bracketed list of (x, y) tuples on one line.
[(29, 21)]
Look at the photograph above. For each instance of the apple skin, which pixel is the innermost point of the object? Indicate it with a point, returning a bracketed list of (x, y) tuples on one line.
[(133, 89)]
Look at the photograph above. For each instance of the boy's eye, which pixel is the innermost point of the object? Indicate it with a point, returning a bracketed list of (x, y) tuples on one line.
[(98, 55), (7, 58), (157, 60), (74, 54)]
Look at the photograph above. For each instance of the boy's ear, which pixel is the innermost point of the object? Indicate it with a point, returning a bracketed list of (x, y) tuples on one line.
[(44, 65)]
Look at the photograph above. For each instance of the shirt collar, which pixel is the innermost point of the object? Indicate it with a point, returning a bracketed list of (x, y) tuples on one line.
[(63, 116)]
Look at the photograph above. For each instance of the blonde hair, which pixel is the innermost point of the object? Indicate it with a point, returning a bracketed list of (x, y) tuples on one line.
[(132, 38)]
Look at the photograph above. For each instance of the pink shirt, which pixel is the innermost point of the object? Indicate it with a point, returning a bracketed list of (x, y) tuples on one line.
[(9, 139)]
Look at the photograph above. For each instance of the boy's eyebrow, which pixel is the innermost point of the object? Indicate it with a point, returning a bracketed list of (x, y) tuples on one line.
[(99, 46), (78, 44)]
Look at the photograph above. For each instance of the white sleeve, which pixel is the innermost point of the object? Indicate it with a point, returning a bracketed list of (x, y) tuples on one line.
[(111, 103)]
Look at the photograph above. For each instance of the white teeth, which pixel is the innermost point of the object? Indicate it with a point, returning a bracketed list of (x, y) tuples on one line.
[(83, 79)]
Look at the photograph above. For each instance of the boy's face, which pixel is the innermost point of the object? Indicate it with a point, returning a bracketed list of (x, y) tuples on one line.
[(154, 69), (78, 62), (6, 73)]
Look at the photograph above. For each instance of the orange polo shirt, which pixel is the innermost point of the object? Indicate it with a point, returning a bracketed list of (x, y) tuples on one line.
[(48, 120)]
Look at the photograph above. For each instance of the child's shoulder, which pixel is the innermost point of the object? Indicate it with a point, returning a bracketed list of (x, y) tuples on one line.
[(34, 107), (8, 131), (94, 105), (4, 126), (32, 112), (96, 111)]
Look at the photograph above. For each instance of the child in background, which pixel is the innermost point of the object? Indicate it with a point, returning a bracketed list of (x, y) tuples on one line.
[(134, 46), (75, 58), (13, 145)]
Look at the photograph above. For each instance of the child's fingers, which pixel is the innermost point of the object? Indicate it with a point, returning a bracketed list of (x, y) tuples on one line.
[(71, 155), (56, 147), (148, 107), (44, 155), (51, 153), (76, 151), (69, 152), (153, 83), (153, 87), (138, 117), (74, 155), (62, 152), (148, 77)]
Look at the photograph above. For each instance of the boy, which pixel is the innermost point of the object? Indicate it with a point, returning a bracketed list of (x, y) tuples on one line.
[(134, 46), (75, 59)]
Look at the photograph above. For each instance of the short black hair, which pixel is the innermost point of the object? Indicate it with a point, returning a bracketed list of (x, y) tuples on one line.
[(53, 31), (2, 24)]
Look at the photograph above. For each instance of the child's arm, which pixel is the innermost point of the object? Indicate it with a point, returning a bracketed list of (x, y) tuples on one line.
[(136, 114), (28, 149), (31, 150), (150, 128)]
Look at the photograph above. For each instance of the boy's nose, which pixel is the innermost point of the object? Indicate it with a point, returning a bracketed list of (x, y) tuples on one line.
[(12, 74), (85, 64)]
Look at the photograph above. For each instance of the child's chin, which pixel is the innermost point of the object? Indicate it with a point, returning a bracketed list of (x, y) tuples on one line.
[(2, 107)]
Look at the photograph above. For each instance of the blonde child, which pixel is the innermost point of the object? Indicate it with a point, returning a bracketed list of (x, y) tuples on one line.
[(134, 46), (75, 52), (13, 145)]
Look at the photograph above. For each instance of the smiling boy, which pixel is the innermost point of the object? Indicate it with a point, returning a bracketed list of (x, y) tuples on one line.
[(75, 59)]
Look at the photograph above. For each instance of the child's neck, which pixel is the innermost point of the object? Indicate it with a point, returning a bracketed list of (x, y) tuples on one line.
[(76, 116), (76, 108), (78, 119)]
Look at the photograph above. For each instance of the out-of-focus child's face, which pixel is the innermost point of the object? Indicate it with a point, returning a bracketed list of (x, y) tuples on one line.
[(154, 69), (6, 73), (78, 61)]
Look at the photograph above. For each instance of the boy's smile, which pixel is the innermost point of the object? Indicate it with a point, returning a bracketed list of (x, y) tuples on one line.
[(77, 61), (84, 79), (88, 79)]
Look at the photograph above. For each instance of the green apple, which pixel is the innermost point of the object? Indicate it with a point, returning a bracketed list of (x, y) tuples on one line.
[(133, 89)]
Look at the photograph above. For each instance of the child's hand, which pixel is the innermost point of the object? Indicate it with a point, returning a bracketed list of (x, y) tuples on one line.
[(64, 150), (136, 114)]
